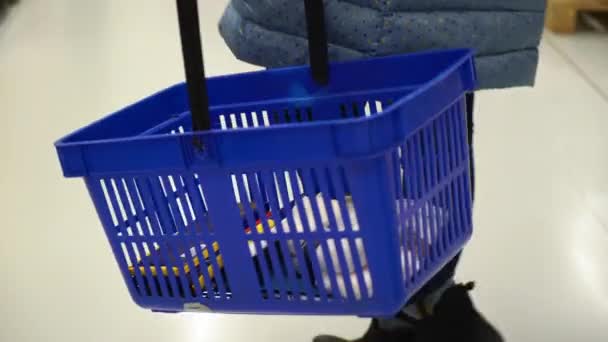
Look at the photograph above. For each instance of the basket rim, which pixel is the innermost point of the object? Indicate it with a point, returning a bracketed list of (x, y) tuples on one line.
[(466, 55)]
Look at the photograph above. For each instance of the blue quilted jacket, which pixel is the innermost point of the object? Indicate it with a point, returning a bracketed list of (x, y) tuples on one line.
[(504, 33)]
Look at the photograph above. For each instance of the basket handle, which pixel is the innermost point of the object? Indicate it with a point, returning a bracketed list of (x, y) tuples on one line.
[(317, 40), (189, 27)]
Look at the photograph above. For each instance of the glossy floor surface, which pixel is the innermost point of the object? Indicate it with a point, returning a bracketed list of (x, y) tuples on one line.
[(541, 245)]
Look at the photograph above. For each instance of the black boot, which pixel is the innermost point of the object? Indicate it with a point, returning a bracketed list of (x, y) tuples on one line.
[(375, 334), (456, 319), (4, 5)]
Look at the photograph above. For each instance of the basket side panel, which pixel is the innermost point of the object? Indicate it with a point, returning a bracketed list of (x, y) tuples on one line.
[(431, 171)]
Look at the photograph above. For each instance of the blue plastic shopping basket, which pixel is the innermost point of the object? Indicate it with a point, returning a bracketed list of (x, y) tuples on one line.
[(300, 198)]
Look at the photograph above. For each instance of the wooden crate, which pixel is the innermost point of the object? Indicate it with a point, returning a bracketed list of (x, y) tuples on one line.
[(562, 15)]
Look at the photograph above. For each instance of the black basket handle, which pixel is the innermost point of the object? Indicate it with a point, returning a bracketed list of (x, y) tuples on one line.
[(317, 40), (187, 11)]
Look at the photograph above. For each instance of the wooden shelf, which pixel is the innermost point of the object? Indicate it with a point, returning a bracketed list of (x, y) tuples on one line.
[(562, 15)]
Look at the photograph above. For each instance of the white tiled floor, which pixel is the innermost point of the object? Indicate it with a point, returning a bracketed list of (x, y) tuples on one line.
[(539, 254)]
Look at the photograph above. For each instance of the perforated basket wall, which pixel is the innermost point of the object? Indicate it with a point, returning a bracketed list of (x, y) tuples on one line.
[(304, 200)]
